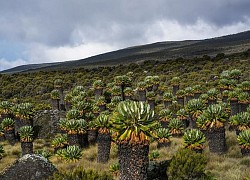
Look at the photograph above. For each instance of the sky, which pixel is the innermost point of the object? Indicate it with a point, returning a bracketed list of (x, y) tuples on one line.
[(42, 31)]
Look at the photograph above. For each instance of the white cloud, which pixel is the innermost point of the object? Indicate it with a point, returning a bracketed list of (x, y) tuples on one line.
[(167, 30), (6, 64)]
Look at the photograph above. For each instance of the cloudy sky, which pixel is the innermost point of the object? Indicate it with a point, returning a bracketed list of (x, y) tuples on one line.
[(59, 30)]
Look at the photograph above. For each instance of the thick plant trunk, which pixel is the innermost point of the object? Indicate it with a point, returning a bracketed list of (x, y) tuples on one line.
[(104, 144), (150, 88), (185, 123), (98, 93), (243, 107), (102, 107), (234, 107), (3, 116), (245, 152), (2, 137), (164, 124), (55, 104), (128, 97), (197, 95), (10, 137), (175, 89), (180, 100), (155, 87), (224, 99), (133, 160), (92, 136), (188, 98), (73, 139), (192, 123), (151, 104), (211, 101), (167, 103), (216, 140), (83, 140), (27, 148), (142, 95), (122, 89), (68, 106)]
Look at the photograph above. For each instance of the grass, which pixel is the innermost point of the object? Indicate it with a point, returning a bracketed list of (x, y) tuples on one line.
[(230, 165)]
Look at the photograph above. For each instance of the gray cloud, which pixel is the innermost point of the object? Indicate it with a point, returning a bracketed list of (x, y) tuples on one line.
[(116, 24)]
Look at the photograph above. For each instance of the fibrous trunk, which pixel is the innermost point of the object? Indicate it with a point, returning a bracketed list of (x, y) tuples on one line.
[(234, 107), (133, 160), (167, 103), (73, 139), (27, 148), (10, 136), (216, 140), (104, 144), (142, 95), (92, 136), (83, 140)]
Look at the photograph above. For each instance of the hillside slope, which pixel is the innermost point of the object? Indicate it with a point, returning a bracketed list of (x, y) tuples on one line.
[(157, 51)]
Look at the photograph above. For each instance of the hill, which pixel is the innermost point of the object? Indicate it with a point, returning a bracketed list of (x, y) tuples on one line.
[(157, 51)]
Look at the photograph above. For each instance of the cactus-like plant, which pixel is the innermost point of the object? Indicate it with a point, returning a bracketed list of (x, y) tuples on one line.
[(176, 126), (59, 142), (98, 84), (168, 96), (114, 168), (72, 153), (163, 135), (244, 139), (73, 114), (26, 134), (194, 139), (55, 94), (8, 124)]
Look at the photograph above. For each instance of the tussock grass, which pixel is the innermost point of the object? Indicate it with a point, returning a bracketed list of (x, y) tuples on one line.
[(230, 166)]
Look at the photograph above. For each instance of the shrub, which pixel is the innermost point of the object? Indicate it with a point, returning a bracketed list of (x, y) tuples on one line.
[(187, 164), (80, 173)]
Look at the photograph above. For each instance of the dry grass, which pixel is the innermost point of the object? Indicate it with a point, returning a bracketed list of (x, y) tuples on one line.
[(230, 166)]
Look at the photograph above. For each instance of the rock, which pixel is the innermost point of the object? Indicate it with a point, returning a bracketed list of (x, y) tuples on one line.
[(29, 167)]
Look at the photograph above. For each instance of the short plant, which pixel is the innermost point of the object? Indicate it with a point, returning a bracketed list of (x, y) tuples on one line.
[(8, 124), (114, 168), (244, 139), (26, 134), (154, 155), (55, 94), (72, 153), (163, 135), (194, 139), (176, 126)]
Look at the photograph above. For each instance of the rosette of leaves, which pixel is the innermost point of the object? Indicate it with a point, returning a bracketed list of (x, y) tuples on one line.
[(244, 139), (73, 114), (58, 83), (141, 86), (241, 121), (151, 95), (72, 126), (1, 151), (62, 124), (235, 74), (163, 87), (8, 124), (244, 97), (204, 98), (24, 111), (213, 117), (176, 127), (212, 94), (225, 74), (182, 114), (68, 97), (134, 122), (224, 83), (149, 81), (156, 80), (130, 74), (72, 153), (128, 91), (59, 142), (5, 107), (180, 93), (55, 94), (26, 134), (175, 81), (114, 168), (225, 93), (83, 126), (168, 96), (245, 85), (165, 115), (100, 101), (163, 135), (233, 95), (116, 99), (198, 88), (189, 91), (83, 107), (98, 84), (195, 107), (103, 123), (116, 91), (109, 86), (122, 80), (44, 153), (194, 139)]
